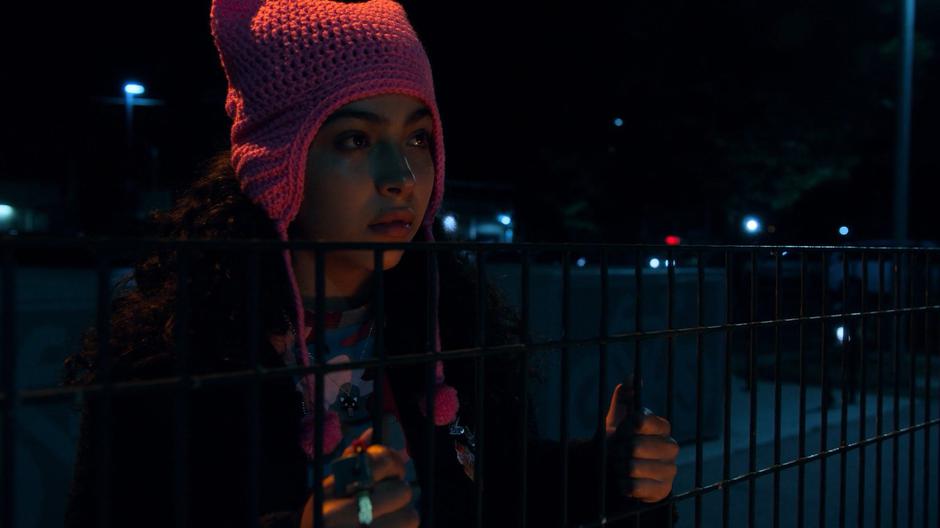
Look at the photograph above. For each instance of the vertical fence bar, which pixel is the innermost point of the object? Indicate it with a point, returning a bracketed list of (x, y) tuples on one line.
[(427, 495), (638, 354), (105, 398), (602, 391), (752, 388), (638, 325), (895, 456), (565, 379), (879, 415), (254, 393), (699, 382), (318, 398), (479, 383), (863, 381), (777, 389), (911, 408), (801, 442), (184, 384), (926, 510), (824, 393), (527, 340), (378, 423), (844, 417), (670, 308), (7, 370), (726, 433)]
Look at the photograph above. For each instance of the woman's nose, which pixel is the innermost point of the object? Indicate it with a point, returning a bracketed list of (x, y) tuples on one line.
[(393, 173)]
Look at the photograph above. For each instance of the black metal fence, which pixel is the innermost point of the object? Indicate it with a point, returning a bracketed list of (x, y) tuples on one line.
[(798, 380)]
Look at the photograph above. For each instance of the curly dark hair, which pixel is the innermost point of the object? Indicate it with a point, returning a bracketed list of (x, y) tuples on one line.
[(142, 338)]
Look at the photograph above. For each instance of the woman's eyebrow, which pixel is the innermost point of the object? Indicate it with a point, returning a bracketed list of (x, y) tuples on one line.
[(374, 118)]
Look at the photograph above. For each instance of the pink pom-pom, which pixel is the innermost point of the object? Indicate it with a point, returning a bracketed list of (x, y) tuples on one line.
[(332, 434), (446, 404)]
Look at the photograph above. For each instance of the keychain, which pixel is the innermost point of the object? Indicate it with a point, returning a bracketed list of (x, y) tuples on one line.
[(352, 473), (465, 445)]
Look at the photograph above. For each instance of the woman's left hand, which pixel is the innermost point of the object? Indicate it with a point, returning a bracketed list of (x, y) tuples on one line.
[(649, 468)]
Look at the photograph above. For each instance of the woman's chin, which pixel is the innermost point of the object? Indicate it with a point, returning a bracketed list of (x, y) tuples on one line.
[(390, 259)]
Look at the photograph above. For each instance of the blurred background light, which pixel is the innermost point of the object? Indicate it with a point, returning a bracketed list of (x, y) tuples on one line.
[(450, 223), (751, 224), (133, 88)]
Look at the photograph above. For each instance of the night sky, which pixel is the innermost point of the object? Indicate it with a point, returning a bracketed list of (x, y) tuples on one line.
[(782, 109)]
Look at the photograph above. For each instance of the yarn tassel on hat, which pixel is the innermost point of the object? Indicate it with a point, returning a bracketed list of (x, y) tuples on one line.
[(332, 434), (446, 403)]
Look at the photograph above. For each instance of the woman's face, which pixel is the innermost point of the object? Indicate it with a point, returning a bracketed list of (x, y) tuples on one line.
[(369, 157)]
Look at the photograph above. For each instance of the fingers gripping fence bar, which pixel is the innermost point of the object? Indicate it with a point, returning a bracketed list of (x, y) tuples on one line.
[(784, 373)]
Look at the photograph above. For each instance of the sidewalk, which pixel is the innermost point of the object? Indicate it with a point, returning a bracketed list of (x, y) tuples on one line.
[(713, 456)]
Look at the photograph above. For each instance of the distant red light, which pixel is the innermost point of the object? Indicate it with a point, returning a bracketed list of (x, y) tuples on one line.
[(673, 240)]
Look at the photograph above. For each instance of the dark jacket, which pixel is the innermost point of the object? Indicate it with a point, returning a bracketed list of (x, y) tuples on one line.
[(218, 471), (226, 476)]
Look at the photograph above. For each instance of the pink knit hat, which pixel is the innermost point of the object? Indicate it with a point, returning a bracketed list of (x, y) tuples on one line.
[(289, 65)]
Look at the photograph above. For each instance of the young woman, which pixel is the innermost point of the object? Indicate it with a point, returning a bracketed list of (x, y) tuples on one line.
[(335, 137)]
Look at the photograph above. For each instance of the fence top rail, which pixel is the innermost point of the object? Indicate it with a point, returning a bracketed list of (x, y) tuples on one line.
[(131, 243)]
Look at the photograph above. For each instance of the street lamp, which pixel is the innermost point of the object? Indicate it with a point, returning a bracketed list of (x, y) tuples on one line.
[(751, 225), (131, 89)]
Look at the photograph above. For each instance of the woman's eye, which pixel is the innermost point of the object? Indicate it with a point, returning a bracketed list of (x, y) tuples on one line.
[(423, 139), (358, 141), (353, 142)]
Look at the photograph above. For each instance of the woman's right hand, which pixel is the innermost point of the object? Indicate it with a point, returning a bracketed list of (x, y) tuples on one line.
[(391, 495)]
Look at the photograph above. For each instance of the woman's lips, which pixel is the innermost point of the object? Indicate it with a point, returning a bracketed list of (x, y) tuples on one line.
[(392, 229)]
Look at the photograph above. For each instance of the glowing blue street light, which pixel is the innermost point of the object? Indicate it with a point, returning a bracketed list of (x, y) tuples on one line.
[(844, 230), (130, 90), (654, 262), (133, 88), (618, 122), (582, 262), (840, 334), (450, 224), (6, 212), (505, 219), (751, 225)]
